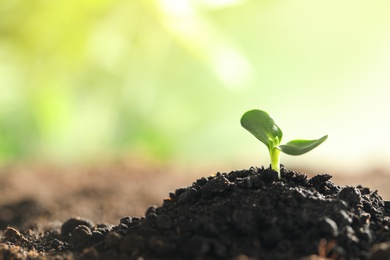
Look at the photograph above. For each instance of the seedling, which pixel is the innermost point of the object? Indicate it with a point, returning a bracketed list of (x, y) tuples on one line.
[(263, 127)]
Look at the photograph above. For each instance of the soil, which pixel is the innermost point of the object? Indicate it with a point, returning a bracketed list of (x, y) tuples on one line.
[(244, 214)]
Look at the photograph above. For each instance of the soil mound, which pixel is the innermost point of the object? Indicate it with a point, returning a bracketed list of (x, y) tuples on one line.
[(247, 214)]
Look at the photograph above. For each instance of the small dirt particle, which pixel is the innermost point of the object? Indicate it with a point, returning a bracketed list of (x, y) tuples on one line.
[(215, 186), (13, 235), (322, 184), (121, 229), (329, 228), (69, 225), (188, 195), (151, 210), (81, 237), (56, 244), (126, 220), (351, 195), (97, 236)]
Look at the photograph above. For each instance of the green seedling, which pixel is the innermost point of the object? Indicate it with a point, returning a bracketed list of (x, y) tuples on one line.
[(263, 127)]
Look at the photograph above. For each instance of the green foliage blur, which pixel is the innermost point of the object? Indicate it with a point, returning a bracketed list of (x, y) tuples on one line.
[(169, 79)]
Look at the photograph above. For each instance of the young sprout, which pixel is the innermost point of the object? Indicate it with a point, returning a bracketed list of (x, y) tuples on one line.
[(264, 128)]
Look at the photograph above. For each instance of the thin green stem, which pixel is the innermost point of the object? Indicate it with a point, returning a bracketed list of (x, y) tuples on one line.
[(275, 160)]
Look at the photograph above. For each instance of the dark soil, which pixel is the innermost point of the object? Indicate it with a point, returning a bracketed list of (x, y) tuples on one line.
[(248, 214)]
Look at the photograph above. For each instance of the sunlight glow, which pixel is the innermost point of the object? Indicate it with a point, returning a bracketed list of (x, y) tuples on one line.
[(218, 3), (232, 68), (205, 42), (177, 7)]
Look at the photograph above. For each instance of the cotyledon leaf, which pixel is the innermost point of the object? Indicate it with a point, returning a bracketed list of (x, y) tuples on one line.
[(262, 126), (300, 146)]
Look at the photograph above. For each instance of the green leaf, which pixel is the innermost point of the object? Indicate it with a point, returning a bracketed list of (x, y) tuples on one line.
[(299, 146), (262, 126)]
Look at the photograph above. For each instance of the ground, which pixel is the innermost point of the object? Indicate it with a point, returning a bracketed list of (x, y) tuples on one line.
[(44, 197)]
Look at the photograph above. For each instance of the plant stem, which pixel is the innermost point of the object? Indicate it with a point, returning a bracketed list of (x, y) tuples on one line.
[(275, 160)]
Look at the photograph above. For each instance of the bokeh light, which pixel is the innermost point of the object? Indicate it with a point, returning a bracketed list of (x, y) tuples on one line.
[(169, 80)]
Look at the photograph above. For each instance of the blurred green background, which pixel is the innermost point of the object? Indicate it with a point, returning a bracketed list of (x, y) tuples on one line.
[(168, 80)]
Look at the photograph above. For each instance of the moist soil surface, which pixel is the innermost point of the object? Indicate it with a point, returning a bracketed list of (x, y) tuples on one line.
[(245, 214)]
